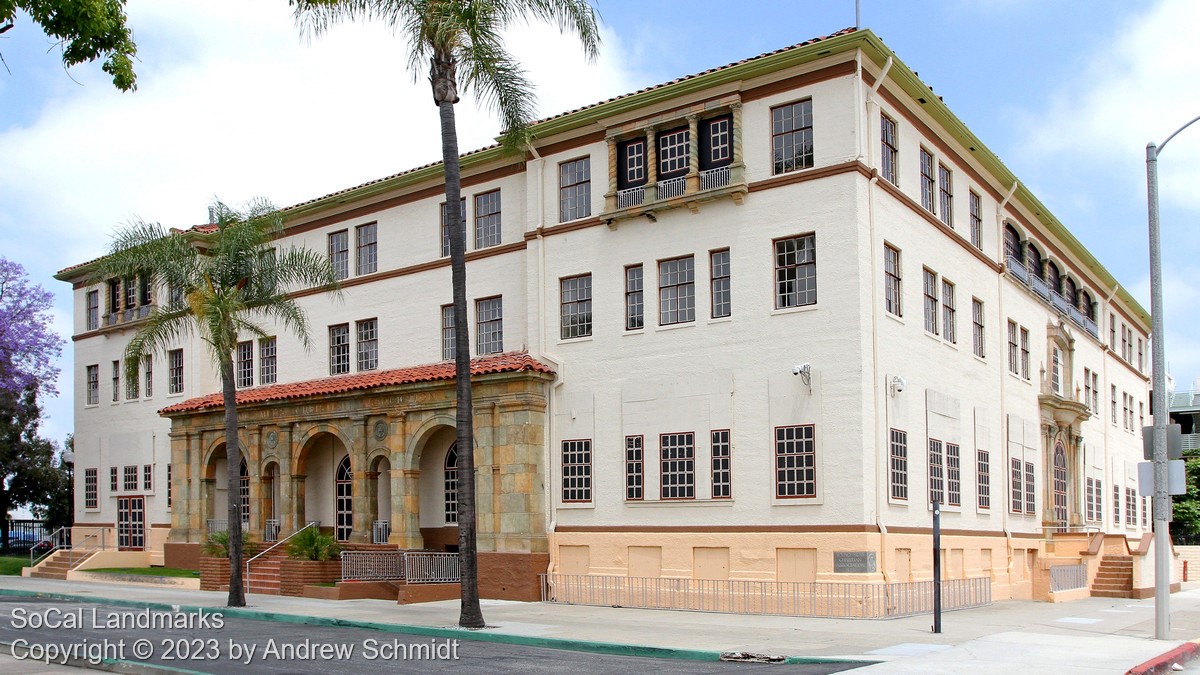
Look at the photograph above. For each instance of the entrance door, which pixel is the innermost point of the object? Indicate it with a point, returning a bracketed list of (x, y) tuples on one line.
[(131, 523), (345, 501), (1060, 486)]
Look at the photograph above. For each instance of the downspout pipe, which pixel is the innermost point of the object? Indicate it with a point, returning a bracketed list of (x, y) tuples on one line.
[(1008, 536), (880, 438)]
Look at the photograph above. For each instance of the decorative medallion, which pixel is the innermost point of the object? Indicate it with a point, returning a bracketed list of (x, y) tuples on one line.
[(272, 439), (381, 430)]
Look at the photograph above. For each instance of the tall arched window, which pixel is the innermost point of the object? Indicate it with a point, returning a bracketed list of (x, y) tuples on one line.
[(1069, 292), (1060, 485), (1012, 243), (450, 485), (1034, 262), (1053, 277), (344, 496), (244, 491), (1086, 306)]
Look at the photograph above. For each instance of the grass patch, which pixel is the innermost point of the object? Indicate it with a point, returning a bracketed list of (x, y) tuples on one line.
[(10, 565), (149, 572)]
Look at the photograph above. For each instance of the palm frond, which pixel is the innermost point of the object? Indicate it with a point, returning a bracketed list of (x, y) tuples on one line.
[(161, 331), (569, 16), (487, 69)]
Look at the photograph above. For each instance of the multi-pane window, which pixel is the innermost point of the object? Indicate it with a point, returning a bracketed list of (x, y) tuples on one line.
[(1087, 390), (983, 479), (678, 458), (632, 170), (975, 206), (1130, 506), (267, 365), (719, 283), (977, 336), (462, 213), (634, 303), (928, 188), (890, 152), (1013, 364), (937, 472), (1029, 490), (91, 489), (245, 364), (489, 326), (720, 464), (116, 381), (448, 343), (93, 384), (576, 306), (1145, 510), (368, 344), (339, 349), (168, 486), (953, 475), (946, 194), (148, 477), (130, 284), (93, 310), (1116, 501), (113, 482), (716, 142), (898, 467), (1090, 499), (949, 313), (366, 246), (1056, 378), (1112, 405), (131, 386), (148, 375), (792, 136), (574, 189), (487, 219), (931, 301), (1112, 332), (175, 371), (1141, 355), (1017, 503), (634, 468), (174, 296), (130, 481), (673, 153), (144, 289), (577, 471), (796, 271), (114, 295), (892, 281), (339, 253), (795, 462), (1025, 353), (1095, 394), (450, 485), (676, 290)]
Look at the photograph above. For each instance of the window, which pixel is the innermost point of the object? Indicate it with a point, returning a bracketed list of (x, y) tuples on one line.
[(1113, 405), (1141, 356), (1090, 511), (937, 467), (719, 283), (1145, 510), (489, 326), (1053, 277), (983, 479), (113, 483), (131, 386), (130, 292), (574, 189), (576, 306), (1025, 353), (487, 219), (366, 259), (168, 486), (678, 456), (93, 384), (1012, 348), (450, 485), (1125, 410), (1033, 261), (145, 289), (93, 310), (1130, 507), (676, 291), (448, 338), (720, 465), (889, 152), (1029, 490), (975, 206), (368, 344), (114, 295), (174, 297), (245, 364), (632, 158), (949, 313), (577, 471), (977, 337), (1095, 394), (796, 271), (148, 371), (91, 489), (130, 482), (339, 253), (175, 371), (339, 349), (462, 212), (1141, 415), (673, 153), (928, 189), (1012, 244), (1116, 505), (1087, 390), (266, 360), (1017, 505), (792, 136), (1124, 343), (891, 281), (931, 301), (1056, 375), (116, 381), (953, 475), (634, 483), (795, 462), (946, 194), (716, 142), (634, 307), (899, 464), (148, 477)]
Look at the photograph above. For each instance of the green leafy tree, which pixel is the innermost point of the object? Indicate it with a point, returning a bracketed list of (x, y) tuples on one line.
[(1185, 522), (224, 284), (459, 44), (57, 504), (86, 30), (26, 459)]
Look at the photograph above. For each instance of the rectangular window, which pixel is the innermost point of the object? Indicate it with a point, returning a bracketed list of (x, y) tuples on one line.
[(673, 153), (113, 482), (1087, 390), (245, 364), (116, 381), (368, 344), (1013, 366), (144, 289), (575, 296), (267, 366), (93, 384), (1141, 356), (792, 136), (1090, 503), (899, 464), (977, 336), (131, 386), (632, 158), (949, 313), (634, 304), (975, 206), (489, 326), (1124, 343), (953, 475), (678, 456), (1116, 505), (175, 371), (719, 283), (1130, 506), (1096, 393), (339, 253), (1025, 353), (983, 479), (796, 271), (1141, 416), (130, 285), (928, 188), (1145, 510), (946, 194), (168, 486), (937, 469), (462, 212), (91, 489), (130, 482), (366, 246), (634, 483), (1017, 504), (174, 297), (1113, 405), (931, 301), (720, 465), (448, 343), (574, 189), (1029, 490), (148, 375), (1125, 410), (892, 281), (1112, 332), (148, 477), (676, 291), (93, 310), (716, 142), (339, 349), (890, 153), (487, 219), (114, 295), (577, 471), (795, 462)]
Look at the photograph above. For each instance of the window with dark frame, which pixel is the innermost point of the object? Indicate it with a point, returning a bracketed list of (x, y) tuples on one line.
[(634, 468), (93, 384), (168, 486), (113, 482), (946, 194), (175, 371), (796, 271), (716, 142), (1113, 405), (489, 326), (1017, 480), (130, 483), (367, 344), (339, 349), (634, 304), (719, 283), (978, 343), (577, 470), (462, 208), (267, 364), (147, 477), (366, 259), (975, 206), (928, 185), (795, 462), (721, 476), (1030, 499), (1096, 393), (792, 136), (114, 295), (145, 289), (929, 278), (574, 189), (130, 284), (676, 290), (448, 338), (892, 295), (148, 375), (339, 253), (575, 299), (983, 479), (487, 219), (898, 465), (116, 381), (889, 150), (1025, 353), (949, 313), (953, 475), (91, 489), (1013, 354), (937, 472), (678, 466), (631, 172), (450, 485), (131, 386), (245, 364), (674, 153), (93, 310), (1116, 501)]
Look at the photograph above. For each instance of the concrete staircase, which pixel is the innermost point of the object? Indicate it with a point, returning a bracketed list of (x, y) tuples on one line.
[(57, 564), (1114, 579), (264, 573)]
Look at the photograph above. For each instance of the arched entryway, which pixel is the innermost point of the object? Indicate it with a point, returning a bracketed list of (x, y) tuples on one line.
[(270, 501), (438, 490), (379, 481), (321, 463)]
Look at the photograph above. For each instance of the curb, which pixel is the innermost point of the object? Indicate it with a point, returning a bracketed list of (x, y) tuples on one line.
[(1163, 662), (107, 665), (569, 644)]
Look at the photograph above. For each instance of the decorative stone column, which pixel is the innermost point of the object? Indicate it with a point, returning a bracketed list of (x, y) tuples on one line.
[(208, 487), (610, 196), (361, 512), (651, 166), (406, 509), (737, 170), (297, 502), (284, 510), (693, 174), (180, 527), (253, 456)]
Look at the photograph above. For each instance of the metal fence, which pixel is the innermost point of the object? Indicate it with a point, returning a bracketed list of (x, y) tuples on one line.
[(815, 599), (372, 565), (380, 531), (424, 567), (1068, 577), (24, 535)]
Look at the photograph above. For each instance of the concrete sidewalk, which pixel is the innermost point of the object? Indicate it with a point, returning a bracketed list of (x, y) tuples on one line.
[(1095, 635)]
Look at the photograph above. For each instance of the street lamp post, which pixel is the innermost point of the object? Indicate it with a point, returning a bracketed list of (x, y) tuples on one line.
[(1162, 503)]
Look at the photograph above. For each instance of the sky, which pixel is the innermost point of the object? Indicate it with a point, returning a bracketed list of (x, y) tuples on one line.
[(233, 102)]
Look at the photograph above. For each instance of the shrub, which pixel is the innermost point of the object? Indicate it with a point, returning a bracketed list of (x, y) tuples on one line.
[(217, 545), (311, 544)]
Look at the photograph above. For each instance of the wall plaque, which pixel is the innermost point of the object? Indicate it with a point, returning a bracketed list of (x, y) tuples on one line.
[(381, 430), (860, 562), (272, 439)]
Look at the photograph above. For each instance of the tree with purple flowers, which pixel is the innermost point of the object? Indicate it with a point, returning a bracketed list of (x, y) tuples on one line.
[(29, 347)]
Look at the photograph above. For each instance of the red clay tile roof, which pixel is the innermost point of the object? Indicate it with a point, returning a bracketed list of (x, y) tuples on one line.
[(508, 362)]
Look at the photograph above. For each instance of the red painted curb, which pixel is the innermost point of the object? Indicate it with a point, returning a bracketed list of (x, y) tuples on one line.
[(1162, 663)]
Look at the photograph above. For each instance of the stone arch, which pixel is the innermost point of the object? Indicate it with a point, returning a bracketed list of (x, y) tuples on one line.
[(314, 431), (1034, 262), (379, 495), (317, 459), (1054, 276), (1012, 242), (420, 437)]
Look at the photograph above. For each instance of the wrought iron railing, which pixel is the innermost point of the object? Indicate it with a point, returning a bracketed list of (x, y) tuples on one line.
[(1039, 287), (631, 197), (1017, 269), (380, 531), (714, 178), (672, 187), (372, 565), (426, 567), (1068, 577)]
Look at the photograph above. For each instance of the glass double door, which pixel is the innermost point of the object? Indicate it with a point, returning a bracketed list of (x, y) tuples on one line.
[(131, 523)]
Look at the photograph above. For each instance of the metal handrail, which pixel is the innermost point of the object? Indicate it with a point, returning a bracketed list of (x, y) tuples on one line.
[(53, 538), (281, 542), (102, 531)]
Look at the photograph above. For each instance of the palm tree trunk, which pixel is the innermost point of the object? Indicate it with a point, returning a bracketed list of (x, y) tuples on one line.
[(233, 461)]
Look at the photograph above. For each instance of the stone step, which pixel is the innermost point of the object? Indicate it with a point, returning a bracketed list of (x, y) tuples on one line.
[(1111, 594)]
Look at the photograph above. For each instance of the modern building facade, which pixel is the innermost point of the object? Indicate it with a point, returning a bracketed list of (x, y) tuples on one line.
[(725, 327)]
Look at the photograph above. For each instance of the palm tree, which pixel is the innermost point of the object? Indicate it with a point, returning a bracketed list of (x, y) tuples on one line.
[(223, 284), (460, 41)]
